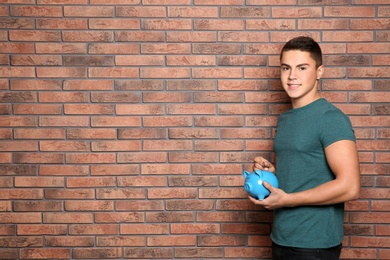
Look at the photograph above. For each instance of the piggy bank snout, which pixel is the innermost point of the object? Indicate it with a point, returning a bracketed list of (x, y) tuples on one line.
[(248, 187)]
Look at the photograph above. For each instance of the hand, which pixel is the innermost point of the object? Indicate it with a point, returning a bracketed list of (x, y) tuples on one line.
[(276, 199), (261, 163)]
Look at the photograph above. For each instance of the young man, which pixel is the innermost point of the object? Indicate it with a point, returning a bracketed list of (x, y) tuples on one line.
[(316, 163)]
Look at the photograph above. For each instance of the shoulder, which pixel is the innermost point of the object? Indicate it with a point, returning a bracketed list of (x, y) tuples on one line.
[(332, 114)]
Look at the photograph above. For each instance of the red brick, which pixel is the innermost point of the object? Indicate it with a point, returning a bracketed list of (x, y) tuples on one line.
[(36, 11), (216, 73), (188, 204), (197, 12), (144, 229), (88, 85), (133, 60), (191, 37), (73, 241), (16, 72), (89, 205), (107, 2), (38, 109), (99, 253), (33, 133), (109, 24), (222, 193), (54, 146), (88, 109), (48, 182), (169, 217), (171, 241), (296, 12), (7, 230), (224, 240), (122, 241), (90, 158), (138, 205), (141, 11), (369, 24), (29, 35), (37, 60), (5, 205), (116, 146), (190, 60), (144, 109), (183, 157), (37, 157), (114, 169), (136, 252), (62, 23), (167, 2), (63, 121), (44, 229), (35, 84), (90, 182), (220, 25), (88, 36), (118, 72), (121, 217), (45, 253), (222, 145), (38, 206), (86, 133), (18, 146), (149, 36), (163, 169), (50, 72), (13, 218), (56, 48), (88, 11), (69, 194), (67, 218)]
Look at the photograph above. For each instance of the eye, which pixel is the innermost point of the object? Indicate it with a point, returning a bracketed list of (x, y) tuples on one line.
[(285, 68), (302, 68)]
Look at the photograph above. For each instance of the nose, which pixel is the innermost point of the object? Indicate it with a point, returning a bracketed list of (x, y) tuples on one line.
[(292, 74)]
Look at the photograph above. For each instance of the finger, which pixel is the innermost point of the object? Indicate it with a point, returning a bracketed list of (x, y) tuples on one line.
[(268, 186)]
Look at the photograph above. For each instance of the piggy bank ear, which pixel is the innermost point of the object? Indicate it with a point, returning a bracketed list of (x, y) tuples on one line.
[(258, 171), (246, 174)]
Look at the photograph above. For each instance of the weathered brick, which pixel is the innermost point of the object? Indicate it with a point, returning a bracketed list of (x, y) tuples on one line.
[(126, 124), (62, 23), (140, 11), (36, 60), (89, 11)]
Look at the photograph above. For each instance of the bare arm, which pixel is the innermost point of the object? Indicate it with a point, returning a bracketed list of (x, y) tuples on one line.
[(343, 160)]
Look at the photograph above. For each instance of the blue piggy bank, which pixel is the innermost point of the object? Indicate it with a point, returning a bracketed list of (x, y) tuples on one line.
[(254, 183)]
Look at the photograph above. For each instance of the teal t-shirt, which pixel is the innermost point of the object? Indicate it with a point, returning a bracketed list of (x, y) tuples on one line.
[(301, 136)]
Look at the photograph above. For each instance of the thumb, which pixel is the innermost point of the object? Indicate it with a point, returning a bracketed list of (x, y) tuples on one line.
[(268, 186)]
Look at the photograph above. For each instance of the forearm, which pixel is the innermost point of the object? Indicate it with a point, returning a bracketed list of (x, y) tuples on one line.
[(332, 192)]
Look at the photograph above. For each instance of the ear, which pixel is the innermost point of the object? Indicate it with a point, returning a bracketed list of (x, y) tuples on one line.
[(320, 71)]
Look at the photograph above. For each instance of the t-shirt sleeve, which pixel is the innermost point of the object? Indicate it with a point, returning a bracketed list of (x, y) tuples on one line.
[(335, 126)]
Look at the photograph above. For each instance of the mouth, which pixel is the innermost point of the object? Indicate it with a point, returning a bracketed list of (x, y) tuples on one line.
[(293, 86)]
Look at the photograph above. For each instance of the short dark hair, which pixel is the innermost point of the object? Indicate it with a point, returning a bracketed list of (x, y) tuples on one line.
[(304, 43)]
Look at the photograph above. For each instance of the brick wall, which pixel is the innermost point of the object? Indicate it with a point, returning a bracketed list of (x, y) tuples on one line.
[(126, 124)]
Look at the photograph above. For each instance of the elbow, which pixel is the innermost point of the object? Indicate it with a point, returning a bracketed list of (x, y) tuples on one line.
[(354, 193)]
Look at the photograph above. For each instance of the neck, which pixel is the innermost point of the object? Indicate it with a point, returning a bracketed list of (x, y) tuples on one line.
[(297, 103)]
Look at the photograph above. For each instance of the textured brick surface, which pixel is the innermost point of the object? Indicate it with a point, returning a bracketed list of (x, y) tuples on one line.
[(125, 125)]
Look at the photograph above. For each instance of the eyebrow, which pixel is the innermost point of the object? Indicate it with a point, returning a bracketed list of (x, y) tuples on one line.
[(299, 65)]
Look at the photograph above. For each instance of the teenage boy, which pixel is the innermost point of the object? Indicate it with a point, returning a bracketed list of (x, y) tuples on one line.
[(316, 163)]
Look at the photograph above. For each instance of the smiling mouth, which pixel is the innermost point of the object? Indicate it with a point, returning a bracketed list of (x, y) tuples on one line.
[(293, 86)]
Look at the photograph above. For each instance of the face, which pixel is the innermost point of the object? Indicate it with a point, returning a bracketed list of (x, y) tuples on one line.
[(299, 77)]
